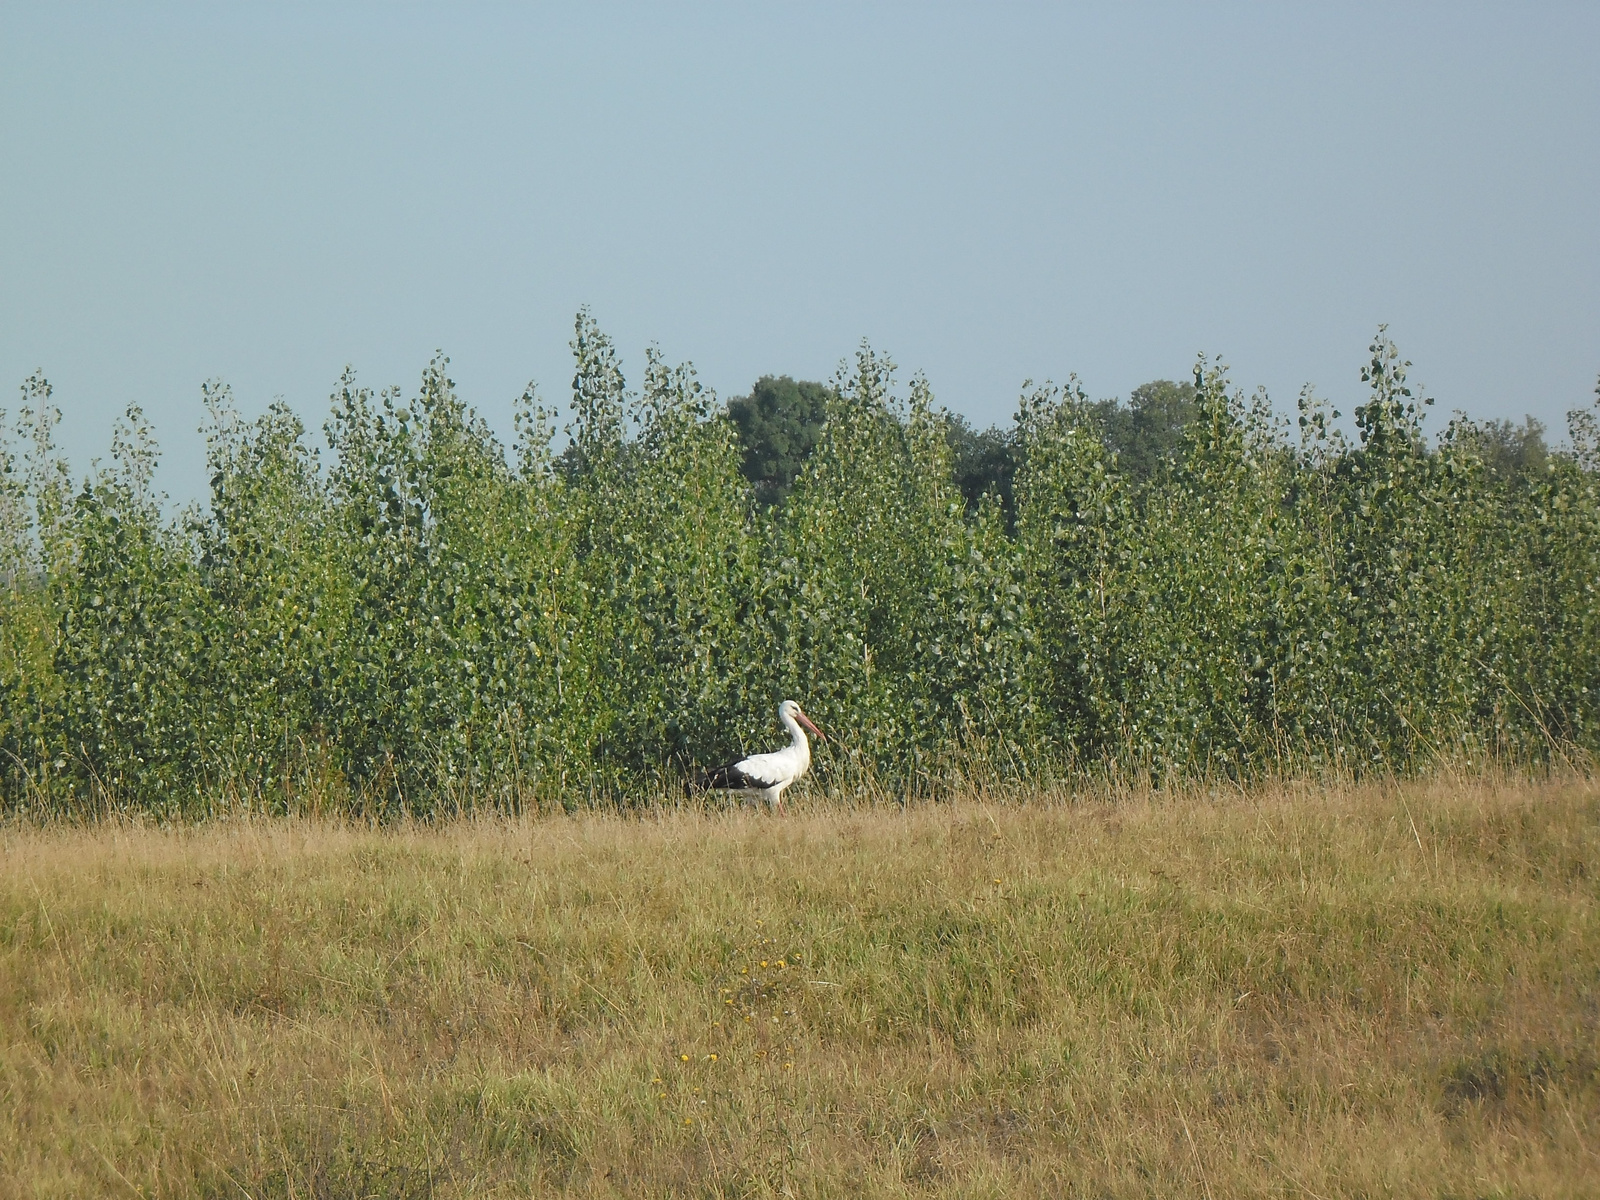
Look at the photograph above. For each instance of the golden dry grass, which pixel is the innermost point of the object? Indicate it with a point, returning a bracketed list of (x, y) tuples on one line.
[(1356, 991)]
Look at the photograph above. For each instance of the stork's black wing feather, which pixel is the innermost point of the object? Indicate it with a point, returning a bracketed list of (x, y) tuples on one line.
[(730, 778)]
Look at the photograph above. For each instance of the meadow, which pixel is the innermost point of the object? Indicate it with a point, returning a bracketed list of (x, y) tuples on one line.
[(1288, 989)]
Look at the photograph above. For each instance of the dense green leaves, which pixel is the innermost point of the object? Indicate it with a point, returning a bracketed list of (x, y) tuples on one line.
[(427, 620), (779, 423)]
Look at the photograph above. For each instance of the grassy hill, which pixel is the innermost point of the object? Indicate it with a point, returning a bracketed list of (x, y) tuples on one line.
[(1298, 991)]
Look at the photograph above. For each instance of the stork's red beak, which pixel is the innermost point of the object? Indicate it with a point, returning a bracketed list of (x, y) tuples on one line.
[(800, 716)]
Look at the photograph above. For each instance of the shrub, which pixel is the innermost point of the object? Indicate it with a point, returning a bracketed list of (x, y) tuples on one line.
[(428, 619)]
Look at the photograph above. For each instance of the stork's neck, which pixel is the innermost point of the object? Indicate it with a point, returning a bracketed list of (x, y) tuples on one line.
[(797, 736)]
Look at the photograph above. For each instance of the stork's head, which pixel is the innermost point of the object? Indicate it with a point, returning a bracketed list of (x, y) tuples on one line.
[(790, 711)]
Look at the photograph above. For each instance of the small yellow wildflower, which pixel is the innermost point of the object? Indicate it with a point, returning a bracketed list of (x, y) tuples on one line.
[(713, 1058), (683, 1058), (763, 962)]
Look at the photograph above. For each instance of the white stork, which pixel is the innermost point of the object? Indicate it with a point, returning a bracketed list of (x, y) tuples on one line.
[(764, 776)]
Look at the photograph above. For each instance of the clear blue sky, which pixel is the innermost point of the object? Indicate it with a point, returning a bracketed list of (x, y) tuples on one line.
[(988, 192)]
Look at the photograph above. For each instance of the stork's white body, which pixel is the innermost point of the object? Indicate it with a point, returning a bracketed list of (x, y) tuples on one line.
[(764, 776)]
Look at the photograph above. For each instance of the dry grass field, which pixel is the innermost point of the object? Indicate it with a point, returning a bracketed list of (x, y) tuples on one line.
[(1301, 991)]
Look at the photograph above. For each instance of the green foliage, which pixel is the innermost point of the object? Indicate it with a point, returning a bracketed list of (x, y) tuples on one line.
[(1150, 429), (984, 463), (1142, 435), (779, 424), (1514, 451), (897, 616), (665, 556), (430, 619)]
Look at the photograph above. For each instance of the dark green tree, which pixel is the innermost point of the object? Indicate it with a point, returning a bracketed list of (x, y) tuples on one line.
[(1148, 430), (984, 463), (1515, 453), (1145, 432), (778, 423)]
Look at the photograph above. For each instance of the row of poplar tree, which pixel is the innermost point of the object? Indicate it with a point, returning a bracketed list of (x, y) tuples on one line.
[(420, 620)]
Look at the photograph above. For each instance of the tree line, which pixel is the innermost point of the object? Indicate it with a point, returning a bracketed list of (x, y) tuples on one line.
[(411, 615)]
